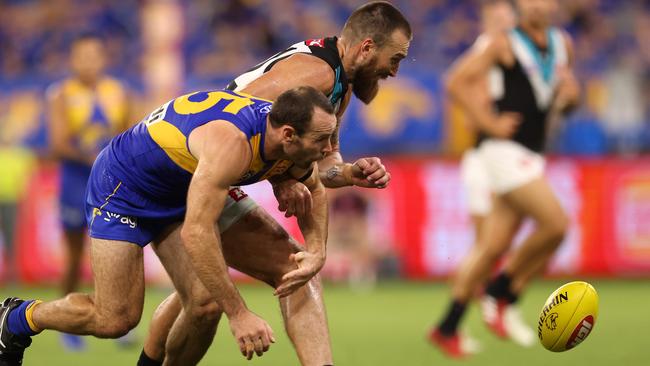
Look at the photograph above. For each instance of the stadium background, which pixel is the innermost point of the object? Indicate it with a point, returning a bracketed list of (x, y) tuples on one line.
[(599, 164)]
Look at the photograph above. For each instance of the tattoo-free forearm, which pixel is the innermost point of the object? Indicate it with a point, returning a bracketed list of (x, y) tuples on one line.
[(314, 225), (204, 248)]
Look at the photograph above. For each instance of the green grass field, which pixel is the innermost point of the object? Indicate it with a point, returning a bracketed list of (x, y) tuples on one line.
[(387, 326)]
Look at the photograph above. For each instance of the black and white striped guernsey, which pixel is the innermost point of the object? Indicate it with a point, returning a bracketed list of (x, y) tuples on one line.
[(323, 48)]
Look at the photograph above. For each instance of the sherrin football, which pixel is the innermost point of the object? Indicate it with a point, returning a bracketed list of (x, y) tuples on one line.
[(568, 316)]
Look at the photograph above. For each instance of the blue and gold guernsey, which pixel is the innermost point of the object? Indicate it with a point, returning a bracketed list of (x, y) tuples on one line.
[(93, 116), (143, 175)]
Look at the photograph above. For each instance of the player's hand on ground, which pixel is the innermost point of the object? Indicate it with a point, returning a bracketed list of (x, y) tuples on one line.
[(505, 125), (294, 198), (253, 333), (370, 173), (308, 264)]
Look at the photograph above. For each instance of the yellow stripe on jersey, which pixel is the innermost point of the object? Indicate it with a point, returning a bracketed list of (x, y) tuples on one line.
[(256, 162), (279, 167), (174, 143)]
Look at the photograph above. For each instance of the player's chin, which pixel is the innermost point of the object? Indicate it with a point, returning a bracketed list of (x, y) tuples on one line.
[(366, 92)]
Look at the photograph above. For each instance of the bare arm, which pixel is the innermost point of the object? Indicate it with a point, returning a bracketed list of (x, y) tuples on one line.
[(224, 155), (294, 71), (59, 133), (215, 144), (313, 226), (467, 76), (567, 95)]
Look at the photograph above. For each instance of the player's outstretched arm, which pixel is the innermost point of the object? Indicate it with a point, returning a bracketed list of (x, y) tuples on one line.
[(224, 155), (313, 226)]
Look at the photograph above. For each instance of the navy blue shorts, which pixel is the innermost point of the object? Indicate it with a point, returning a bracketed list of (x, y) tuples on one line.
[(72, 199), (114, 211)]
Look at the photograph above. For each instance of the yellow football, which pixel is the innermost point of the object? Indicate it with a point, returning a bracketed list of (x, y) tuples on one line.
[(568, 316)]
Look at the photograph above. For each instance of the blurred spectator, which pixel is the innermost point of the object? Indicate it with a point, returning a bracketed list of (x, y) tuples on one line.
[(351, 254), (222, 37)]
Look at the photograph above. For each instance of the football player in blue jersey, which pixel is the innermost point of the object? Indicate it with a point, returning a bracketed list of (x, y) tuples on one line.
[(373, 42), (166, 181)]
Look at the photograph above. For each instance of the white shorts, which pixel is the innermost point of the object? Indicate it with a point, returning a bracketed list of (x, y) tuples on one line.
[(238, 204), (476, 183), (509, 165)]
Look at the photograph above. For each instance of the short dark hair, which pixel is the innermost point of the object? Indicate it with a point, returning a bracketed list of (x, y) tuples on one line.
[(376, 20), (295, 107), (87, 36)]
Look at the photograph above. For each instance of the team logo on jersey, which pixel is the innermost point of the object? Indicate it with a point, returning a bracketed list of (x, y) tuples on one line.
[(316, 42), (237, 194)]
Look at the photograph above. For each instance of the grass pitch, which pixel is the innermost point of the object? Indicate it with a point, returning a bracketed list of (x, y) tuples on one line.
[(387, 326)]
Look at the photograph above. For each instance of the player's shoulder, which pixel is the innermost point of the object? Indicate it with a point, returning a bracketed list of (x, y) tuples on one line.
[(309, 61), (222, 132), (566, 36), (492, 42), (58, 88)]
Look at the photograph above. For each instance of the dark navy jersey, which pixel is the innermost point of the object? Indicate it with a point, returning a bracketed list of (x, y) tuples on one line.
[(528, 86), (324, 48)]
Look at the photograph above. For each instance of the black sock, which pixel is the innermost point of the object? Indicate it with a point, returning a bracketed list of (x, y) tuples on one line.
[(147, 361), (450, 322), (499, 288)]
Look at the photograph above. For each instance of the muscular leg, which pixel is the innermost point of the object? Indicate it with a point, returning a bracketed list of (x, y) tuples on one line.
[(74, 241), (303, 311), (161, 324), (537, 201), (498, 230), (194, 328), (114, 308)]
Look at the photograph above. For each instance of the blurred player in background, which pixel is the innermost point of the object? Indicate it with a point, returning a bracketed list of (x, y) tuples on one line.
[(374, 40), (527, 73), (85, 111)]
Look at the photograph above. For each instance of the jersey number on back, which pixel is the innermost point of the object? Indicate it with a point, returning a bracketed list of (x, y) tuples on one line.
[(183, 105)]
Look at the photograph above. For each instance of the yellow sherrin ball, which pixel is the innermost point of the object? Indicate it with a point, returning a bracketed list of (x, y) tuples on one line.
[(568, 316)]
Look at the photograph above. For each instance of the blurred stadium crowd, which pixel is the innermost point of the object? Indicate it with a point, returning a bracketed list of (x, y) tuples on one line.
[(222, 38)]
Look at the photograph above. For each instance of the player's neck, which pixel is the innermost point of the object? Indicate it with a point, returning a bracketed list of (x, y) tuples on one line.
[(536, 32), (344, 53), (272, 147), (88, 82)]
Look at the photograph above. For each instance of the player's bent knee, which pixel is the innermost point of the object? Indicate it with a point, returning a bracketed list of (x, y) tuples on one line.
[(557, 228), (115, 328), (205, 312)]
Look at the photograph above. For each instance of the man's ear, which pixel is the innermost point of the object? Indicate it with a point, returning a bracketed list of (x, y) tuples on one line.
[(288, 133), (367, 46)]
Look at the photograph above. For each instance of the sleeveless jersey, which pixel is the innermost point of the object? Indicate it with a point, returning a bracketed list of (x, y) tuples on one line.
[(324, 48), (153, 157), (528, 86), (94, 116)]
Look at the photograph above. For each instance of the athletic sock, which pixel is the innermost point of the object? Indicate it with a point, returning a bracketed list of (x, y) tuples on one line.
[(147, 361), (499, 288), (20, 320), (450, 322)]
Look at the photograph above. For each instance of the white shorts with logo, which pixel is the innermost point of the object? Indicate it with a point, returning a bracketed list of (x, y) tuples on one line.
[(238, 204), (476, 183), (509, 165)]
